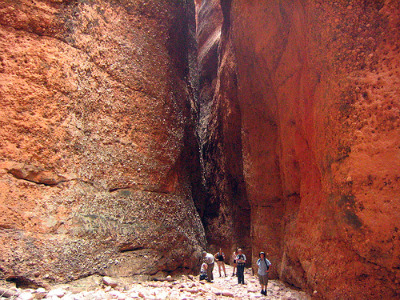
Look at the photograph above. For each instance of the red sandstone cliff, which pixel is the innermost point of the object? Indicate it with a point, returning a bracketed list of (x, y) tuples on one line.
[(313, 92), (96, 143)]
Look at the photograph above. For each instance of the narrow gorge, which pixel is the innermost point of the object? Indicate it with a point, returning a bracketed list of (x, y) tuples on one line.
[(136, 133)]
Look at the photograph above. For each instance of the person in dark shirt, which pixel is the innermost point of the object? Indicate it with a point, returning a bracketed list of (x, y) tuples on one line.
[(220, 257), (241, 262)]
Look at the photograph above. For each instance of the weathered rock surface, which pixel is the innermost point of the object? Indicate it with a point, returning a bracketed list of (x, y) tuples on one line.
[(96, 143), (317, 113)]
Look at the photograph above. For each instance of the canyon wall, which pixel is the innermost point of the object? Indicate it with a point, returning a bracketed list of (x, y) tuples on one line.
[(306, 96), (98, 158)]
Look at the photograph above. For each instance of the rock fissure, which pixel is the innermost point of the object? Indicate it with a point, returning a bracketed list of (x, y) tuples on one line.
[(44, 177), (140, 187), (46, 182), (130, 247)]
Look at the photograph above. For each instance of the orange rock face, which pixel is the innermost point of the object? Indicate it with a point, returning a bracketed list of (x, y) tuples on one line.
[(314, 87), (96, 145)]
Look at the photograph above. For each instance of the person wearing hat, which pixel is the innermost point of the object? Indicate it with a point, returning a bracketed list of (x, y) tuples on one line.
[(263, 268)]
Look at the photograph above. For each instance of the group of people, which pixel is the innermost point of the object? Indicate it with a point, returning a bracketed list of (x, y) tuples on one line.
[(239, 262)]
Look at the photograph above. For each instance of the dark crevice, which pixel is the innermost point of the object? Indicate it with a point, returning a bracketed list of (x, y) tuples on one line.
[(129, 247), (295, 194), (141, 188), (23, 282)]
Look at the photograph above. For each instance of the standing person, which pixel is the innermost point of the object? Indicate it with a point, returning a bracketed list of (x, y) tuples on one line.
[(234, 262), (208, 258), (263, 267), (220, 257), (241, 261)]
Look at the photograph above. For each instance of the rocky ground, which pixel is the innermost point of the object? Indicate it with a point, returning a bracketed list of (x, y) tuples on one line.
[(184, 287)]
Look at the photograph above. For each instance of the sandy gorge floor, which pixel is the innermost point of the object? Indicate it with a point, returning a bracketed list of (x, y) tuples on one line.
[(184, 287)]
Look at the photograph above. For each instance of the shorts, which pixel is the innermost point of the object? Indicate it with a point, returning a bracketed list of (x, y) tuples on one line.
[(263, 279), (234, 261)]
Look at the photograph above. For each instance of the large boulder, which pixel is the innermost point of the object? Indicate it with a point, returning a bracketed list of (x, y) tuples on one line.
[(96, 139)]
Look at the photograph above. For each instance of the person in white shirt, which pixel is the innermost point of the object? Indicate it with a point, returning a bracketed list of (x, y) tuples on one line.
[(208, 258), (234, 254)]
